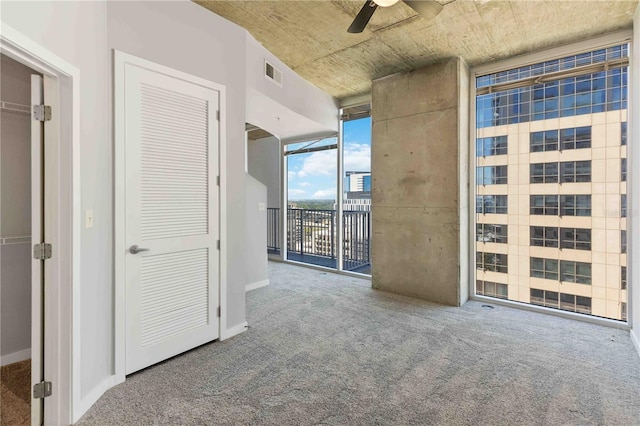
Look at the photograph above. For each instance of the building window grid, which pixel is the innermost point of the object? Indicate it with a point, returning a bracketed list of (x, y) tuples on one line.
[(585, 94), (575, 138), (563, 301), (575, 171), (570, 171), (543, 141), (543, 173), (566, 63), (492, 289), (607, 92), (575, 205), (575, 272), (495, 262), (575, 238), (492, 233), (623, 205), (623, 169), (491, 204), (623, 241), (623, 311), (496, 145), (623, 133), (623, 278), (546, 205), (543, 268), (564, 205), (543, 236), (491, 175)]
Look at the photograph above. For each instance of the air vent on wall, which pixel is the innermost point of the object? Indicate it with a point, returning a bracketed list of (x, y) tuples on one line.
[(272, 73)]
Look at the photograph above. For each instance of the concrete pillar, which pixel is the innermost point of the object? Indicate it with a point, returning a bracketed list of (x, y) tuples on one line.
[(419, 119)]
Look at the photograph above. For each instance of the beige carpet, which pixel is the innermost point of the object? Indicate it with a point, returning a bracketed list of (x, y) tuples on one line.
[(326, 349), (15, 395)]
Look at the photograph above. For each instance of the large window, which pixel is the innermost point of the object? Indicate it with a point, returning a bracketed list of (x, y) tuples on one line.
[(311, 197), (356, 194), (548, 123), (495, 145), (567, 302), (492, 262), (488, 288), (491, 233), (491, 175), (488, 204), (326, 226)]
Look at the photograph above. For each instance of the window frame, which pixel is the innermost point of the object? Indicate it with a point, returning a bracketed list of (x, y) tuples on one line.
[(600, 42), (496, 237)]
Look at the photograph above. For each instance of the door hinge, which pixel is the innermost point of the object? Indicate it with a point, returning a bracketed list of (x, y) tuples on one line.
[(42, 112), (218, 312), (42, 390), (218, 115), (218, 180), (218, 244), (42, 251)]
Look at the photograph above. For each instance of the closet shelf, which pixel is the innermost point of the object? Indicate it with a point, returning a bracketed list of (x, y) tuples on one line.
[(13, 107)]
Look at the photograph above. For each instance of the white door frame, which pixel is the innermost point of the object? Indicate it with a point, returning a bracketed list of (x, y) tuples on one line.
[(120, 59), (62, 214)]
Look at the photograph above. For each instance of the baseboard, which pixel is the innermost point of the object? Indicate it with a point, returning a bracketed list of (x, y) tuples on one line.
[(93, 396), (636, 341), (15, 357), (233, 331), (256, 285)]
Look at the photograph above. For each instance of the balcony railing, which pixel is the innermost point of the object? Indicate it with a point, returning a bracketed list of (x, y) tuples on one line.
[(273, 231), (311, 237)]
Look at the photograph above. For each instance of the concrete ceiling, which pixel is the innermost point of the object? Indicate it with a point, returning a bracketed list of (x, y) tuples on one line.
[(311, 36)]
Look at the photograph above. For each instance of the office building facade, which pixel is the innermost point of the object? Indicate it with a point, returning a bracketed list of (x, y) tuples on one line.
[(551, 190)]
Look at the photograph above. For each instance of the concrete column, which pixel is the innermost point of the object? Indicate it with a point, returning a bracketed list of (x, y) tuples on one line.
[(416, 174)]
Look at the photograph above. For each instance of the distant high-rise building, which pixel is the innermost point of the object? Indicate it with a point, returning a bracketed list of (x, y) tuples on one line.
[(357, 181), (551, 183), (357, 189)]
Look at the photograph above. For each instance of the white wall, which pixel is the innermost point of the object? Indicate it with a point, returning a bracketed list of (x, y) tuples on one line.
[(256, 240), (15, 215), (634, 173), (76, 32), (184, 36), (264, 164), (294, 110)]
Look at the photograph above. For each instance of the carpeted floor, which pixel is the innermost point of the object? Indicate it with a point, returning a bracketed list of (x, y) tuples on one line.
[(15, 394), (326, 349)]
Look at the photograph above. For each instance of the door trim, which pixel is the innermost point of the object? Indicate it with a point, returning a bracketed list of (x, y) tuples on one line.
[(62, 211), (120, 59)]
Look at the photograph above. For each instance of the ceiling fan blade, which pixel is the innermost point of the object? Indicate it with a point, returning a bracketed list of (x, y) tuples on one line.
[(428, 9), (362, 18)]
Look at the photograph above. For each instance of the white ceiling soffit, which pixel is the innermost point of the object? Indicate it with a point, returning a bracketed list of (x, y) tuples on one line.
[(311, 36), (271, 116)]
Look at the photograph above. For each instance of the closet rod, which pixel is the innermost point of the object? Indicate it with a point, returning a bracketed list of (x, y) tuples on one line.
[(13, 107)]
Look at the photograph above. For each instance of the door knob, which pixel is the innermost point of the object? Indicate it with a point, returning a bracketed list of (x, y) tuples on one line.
[(134, 249)]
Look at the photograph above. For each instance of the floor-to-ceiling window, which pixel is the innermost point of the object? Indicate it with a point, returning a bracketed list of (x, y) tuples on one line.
[(328, 181), (550, 183), (311, 222), (356, 190)]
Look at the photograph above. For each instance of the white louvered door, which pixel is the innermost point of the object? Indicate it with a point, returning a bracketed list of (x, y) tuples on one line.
[(171, 165)]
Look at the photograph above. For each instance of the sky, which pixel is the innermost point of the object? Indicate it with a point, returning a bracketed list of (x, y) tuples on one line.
[(313, 175)]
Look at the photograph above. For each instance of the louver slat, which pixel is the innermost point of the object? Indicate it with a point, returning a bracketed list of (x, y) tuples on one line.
[(174, 157), (174, 294)]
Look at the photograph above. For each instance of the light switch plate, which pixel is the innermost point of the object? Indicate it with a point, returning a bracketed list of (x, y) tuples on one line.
[(261, 207)]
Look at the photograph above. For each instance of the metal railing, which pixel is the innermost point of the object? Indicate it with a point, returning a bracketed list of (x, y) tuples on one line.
[(273, 230), (311, 237), (356, 251)]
